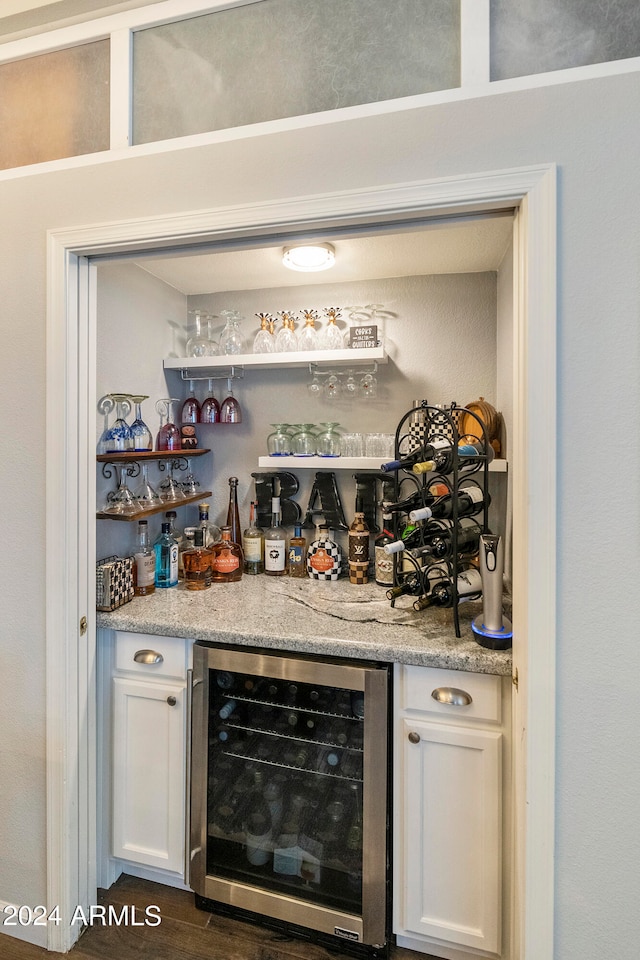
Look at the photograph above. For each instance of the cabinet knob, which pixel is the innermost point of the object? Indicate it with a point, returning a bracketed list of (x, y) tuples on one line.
[(171, 701), (147, 656), (414, 737), (452, 696)]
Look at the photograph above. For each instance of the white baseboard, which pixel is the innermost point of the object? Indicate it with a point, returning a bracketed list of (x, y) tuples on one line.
[(153, 874), (35, 933)]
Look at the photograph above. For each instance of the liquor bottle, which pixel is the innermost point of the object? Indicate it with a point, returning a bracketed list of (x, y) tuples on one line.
[(211, 530), (166, 554), (358, 548), (298, 554), (324, 558), (471, 500), (227, 560), (186, 542), (145, 563), (468, 585), (253, 545), (275, 544), (197, 564), (383, 562), (233, 516)]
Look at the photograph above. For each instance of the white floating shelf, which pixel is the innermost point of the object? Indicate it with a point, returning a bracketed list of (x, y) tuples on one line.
[(263, 361), (343, 463)]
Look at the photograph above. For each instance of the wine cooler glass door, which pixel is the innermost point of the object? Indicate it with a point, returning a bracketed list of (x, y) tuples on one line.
[(287, 805)]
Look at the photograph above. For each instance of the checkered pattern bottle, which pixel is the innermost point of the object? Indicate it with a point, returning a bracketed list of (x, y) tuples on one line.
[(324, 558)]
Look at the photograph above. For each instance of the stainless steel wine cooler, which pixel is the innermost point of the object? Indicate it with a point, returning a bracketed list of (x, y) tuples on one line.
[(289, 796)]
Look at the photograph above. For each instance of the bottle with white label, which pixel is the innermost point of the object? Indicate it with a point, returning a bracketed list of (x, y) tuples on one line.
[(275, 544), (145, 563)]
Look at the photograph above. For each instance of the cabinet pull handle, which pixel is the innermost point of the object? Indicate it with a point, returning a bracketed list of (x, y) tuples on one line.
[(414, 737), (452, 696), (147, 656), (171, 701)]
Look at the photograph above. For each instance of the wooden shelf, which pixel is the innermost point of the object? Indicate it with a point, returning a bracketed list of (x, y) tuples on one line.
[(343, 463), (166, 505), (263, 361), (142, 455)]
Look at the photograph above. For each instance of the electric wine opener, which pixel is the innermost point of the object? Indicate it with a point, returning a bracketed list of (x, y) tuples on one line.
[(491, 628)]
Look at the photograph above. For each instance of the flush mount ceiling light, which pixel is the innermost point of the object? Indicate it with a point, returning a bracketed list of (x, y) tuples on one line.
[(309, 257)]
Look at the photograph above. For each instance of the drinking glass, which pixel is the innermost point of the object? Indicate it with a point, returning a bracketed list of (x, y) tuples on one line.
[(352, 445), (146, 495), (350, 387), (122, 502), (210, 409), (332, 387), (331, 338), (119, 437), (286, 338), (142, 438), (279, 442), (264, 340), (328, 441), (380, 445), (190, 412), (190, 484), (170, 488), (315, 387), (169, 434), (308, 336), (106, 405), (231, 341), (304, 440), (199, 344), (368, 386), (230, 411)]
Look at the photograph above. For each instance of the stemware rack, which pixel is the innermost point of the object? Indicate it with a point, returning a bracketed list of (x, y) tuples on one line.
[(134, 459), (193, 368), (420, 425)]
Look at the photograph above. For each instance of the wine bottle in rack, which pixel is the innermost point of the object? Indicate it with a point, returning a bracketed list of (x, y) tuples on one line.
[(471, 500), (443, 460), (438, 448), (441, 594)]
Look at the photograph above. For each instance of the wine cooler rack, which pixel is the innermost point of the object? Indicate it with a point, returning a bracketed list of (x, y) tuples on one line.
[(425, 424)]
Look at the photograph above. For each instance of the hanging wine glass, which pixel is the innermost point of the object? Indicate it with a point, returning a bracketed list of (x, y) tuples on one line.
[(119, 435), (308, 336), (356, 317), (331, 338), (286, 339), (230, 411), (231, 341), (368, 386), (332, 387), (350, 386), (199, 344), (142, 437), (264, 340), (210, 409), (315, 387), (169, 434), (122, 502), (106, 405), (146, 495), (190, 412)]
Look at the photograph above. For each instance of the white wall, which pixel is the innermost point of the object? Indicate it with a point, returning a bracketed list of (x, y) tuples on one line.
[(590, 130)]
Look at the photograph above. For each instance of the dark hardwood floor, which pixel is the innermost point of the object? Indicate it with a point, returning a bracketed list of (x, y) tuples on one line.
[(184, 933)]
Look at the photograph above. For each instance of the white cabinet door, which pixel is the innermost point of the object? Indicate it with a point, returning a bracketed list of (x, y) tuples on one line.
[(451, 834), (149, 773)]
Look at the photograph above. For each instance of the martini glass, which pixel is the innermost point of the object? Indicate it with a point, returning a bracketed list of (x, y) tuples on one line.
[(170, 488), (190, 484), (146, 495), (230, 411), (122, 502), (142, 438), (210, 410)]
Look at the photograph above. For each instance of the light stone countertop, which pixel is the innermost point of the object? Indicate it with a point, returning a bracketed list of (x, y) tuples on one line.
[(304, 616)]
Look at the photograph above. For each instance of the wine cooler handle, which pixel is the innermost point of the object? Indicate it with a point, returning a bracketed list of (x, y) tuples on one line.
[(147, 656), (452, 696), (187, 783)]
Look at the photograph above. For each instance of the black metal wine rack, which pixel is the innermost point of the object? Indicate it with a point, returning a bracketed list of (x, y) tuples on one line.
[(421, 425)]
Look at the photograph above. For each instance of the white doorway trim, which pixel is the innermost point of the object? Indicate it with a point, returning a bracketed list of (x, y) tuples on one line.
[(71, 318)]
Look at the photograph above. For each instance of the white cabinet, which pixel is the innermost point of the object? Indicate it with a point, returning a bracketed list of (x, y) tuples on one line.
[(148, 755), (448, 824)]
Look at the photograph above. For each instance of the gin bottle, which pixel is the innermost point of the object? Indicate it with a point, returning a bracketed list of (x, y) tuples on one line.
[(275, 544), (166, 552)]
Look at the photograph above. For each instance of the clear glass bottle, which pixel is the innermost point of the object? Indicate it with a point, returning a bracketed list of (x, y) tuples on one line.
[(166, 555), (145, 563), (359, 548), (253, 545), (212, 530), (197, 564), (298, 554), (275, 544), (227, 561), (233, 515), (324, 557)]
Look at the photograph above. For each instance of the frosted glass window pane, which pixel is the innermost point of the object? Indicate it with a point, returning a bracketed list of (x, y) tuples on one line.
[(535, 36), (282, 58), (55, 105)]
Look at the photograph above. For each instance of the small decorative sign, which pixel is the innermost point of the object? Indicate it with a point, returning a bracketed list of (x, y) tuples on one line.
[(361, 338)]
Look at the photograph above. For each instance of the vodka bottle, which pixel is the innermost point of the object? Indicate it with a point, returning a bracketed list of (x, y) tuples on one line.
[(145, 563), (275, 544), (253, 545)]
